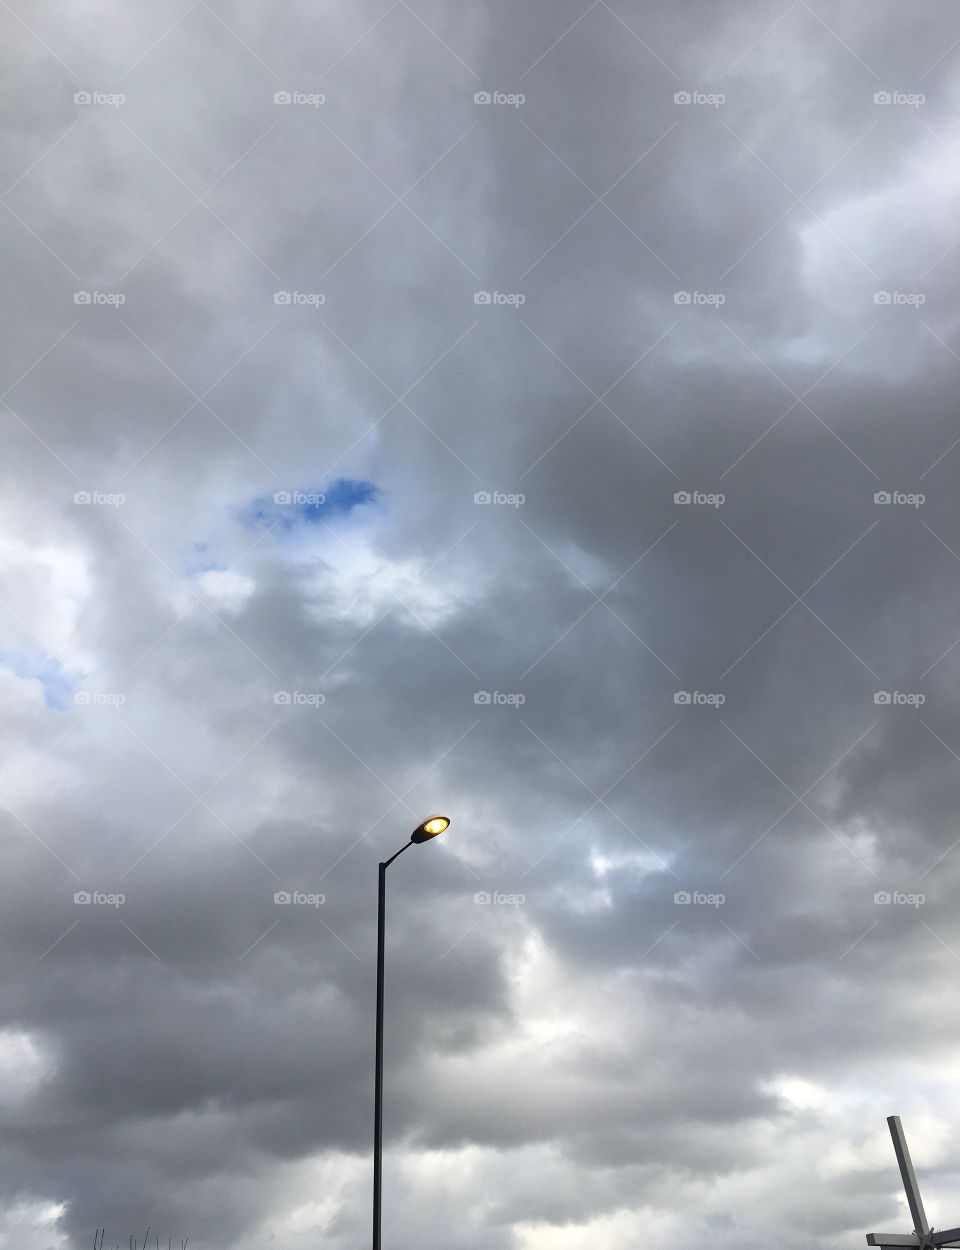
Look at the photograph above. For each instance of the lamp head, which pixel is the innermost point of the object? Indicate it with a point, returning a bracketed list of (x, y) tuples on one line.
[(429, 828)]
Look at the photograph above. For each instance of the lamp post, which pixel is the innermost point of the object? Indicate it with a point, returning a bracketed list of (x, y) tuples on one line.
[(426, 830)]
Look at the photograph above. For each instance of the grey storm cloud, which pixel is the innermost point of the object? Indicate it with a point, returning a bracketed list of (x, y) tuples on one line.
[(622, 341)]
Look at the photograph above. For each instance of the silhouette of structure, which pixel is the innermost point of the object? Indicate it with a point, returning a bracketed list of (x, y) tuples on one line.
[(923, 1236)]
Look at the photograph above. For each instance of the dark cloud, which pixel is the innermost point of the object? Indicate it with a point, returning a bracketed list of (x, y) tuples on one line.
[(621, 342)]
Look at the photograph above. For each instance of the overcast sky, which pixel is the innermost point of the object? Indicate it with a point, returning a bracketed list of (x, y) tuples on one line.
[(542, 413)]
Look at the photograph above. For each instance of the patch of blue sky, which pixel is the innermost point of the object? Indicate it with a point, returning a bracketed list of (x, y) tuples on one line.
[(203, 561), (290, 509), (57, 684)]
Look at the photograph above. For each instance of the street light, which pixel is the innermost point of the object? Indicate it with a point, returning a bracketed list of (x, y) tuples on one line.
[(426, 830)]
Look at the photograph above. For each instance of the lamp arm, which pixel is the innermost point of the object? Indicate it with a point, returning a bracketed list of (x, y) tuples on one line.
[(388, 862)]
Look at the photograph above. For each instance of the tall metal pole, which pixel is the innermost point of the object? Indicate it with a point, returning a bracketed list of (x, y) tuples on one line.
[(378, 1080)]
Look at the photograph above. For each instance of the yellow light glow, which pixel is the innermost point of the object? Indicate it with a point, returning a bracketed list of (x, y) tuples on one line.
[(436, 825)]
